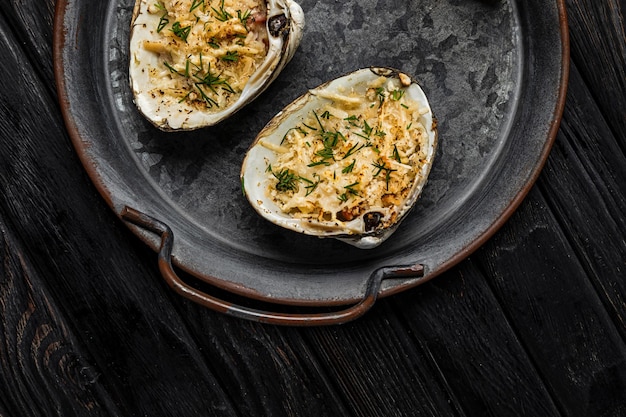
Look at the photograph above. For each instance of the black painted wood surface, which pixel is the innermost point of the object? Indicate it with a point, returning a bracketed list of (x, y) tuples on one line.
[(532, 324)]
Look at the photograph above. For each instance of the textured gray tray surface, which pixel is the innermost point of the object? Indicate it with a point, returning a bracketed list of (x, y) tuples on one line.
[(471, 58)]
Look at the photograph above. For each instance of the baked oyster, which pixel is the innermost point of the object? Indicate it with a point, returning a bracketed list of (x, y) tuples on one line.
[(193, 63), (347, 160)]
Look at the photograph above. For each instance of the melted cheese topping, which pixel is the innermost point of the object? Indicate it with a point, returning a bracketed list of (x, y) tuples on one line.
[(360, 152), (207, 49)]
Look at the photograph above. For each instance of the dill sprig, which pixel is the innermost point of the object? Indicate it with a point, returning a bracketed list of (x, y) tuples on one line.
[(397, 95), (380, 93), (348, 169), (396, 154), (352, 120), (209, 101), (221, 14), (382, 167), (319, 121), (163, 21), (231, 56), (287, 180), (311, 185), (195, 4), (357, 147), (243, 17), (299, 129), (349, 191), (181, 31), (172, 69)]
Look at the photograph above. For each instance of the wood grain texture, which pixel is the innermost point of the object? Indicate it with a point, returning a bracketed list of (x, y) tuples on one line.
[(591, 204), (533, 324), (557, 314), (463, 327), (43, 369), (598, 47)]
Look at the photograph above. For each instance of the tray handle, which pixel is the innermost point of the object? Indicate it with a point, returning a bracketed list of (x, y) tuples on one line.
[(281, 318)]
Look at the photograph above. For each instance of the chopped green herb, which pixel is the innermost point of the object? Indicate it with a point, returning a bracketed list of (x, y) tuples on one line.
[(227, 87), (357, 147), (231, 56), (299, 129), (211, 80), (311, 186), (396, 154), (380, 92), (329, 140), (326, 153), (397, 94), (322, 162), (195, 4), (209, 101), (163, 21), (351, 189), (201, 66), (352, 120), (243, 17), (319, 121), (185, 97), (287, 181), (381, 167), (367, 129), (222, 15), (348, 169), (181, 31), (172, 69)]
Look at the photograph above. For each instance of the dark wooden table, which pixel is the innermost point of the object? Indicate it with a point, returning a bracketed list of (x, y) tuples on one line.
[(532, 324)]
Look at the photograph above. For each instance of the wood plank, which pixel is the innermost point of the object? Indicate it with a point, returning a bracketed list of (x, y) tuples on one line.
[(31, 23), (598, 48), (42, 366), (265, 370), (556, 312), (464, 329), (379, 369), (328, 371), (587, 160)]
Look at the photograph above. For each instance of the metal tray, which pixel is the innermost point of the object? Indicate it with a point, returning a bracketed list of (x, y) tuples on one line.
[(494, 71)]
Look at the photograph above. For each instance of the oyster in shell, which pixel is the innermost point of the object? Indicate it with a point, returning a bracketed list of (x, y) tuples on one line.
[(194, 63), (347, 160)]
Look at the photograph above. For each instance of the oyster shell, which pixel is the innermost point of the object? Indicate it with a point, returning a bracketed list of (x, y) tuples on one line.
[(347, 160), (194, 63)]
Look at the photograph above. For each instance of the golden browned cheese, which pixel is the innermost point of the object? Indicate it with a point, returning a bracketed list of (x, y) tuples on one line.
[(207, 49), (362, 150)]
